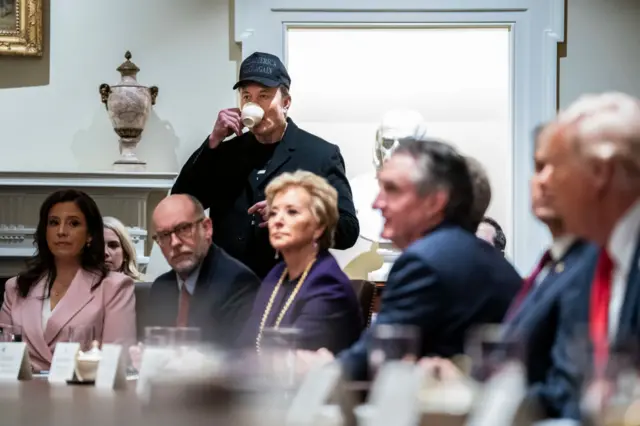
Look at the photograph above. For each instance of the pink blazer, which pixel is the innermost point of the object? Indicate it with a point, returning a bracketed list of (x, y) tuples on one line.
[(110, 308)]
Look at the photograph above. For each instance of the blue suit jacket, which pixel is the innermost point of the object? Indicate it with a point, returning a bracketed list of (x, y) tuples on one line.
[(445, 283), (326, 308), (572, 354), (535, 323)]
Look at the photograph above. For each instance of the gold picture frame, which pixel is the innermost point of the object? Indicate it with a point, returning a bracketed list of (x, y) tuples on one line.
[(21, 27)]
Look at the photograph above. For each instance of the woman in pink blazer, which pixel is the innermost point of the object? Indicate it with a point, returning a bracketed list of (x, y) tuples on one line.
[(67, 284)]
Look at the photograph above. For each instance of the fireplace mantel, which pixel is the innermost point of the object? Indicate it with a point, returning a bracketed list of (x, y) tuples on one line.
[(128, 196), (142, 180)]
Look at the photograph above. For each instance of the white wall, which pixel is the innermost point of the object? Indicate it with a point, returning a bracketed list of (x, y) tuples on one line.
[(603, 48), (59, 123), (52, 118)]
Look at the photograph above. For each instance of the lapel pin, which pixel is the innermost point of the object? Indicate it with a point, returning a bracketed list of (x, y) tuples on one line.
[(559, 267)]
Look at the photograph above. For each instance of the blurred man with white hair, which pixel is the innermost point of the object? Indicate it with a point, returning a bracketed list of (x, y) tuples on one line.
[(591, 154)]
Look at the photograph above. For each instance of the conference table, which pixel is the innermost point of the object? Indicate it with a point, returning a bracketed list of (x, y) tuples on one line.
[(37, 402)]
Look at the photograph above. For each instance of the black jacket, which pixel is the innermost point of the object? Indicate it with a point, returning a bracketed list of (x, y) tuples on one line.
[(221, 303), (227, 181)]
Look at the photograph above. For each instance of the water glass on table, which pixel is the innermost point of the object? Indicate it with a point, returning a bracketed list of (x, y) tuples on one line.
[(391, 342), (186, 336), (490, 347), (10, 333), (159, 336), (278, 348)]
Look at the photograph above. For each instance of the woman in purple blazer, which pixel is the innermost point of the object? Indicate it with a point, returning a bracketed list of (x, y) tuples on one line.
[(308, 290)]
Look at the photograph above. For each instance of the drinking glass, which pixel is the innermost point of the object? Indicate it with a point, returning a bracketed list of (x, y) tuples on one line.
[(278, 355), (159, 336), (82, 334), (186, 336), (10, 333), (490, 347), (393, 342)]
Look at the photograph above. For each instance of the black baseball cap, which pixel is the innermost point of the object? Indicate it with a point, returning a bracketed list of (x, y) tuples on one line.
[(263, 68)]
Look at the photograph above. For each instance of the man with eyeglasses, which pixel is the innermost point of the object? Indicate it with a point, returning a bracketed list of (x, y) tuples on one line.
[(206, 287)]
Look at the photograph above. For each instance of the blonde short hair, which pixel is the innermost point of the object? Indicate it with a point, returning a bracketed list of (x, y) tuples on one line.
[(324, 200), (129, 263), (606, 126)]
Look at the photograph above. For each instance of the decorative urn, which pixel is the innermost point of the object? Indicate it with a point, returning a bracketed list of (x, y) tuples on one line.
[(128, 104)]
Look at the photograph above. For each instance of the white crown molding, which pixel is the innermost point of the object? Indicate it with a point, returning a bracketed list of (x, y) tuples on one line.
[(141, 180)]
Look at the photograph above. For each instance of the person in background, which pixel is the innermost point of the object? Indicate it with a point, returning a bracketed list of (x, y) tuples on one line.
[(67, 284), (307, 290), (120, 253), (229, 177), (481, 190), (206, 287), (490, 231)]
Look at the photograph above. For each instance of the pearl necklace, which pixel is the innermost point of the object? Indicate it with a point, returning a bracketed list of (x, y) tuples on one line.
[(267, 311)]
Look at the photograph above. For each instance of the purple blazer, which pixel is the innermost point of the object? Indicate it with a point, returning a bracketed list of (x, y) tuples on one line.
[(326, 308)]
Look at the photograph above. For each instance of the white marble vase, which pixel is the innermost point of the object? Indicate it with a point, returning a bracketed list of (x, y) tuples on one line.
[(128, 104)]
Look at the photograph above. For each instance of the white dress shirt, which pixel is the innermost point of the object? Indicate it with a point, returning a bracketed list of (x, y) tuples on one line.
[(190, 282), (46, 312), (621, 247)]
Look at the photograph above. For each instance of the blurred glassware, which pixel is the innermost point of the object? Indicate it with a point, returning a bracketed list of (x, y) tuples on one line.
[(159, 336), (490, 347), (278, 356), (10, 333), (393, 342)]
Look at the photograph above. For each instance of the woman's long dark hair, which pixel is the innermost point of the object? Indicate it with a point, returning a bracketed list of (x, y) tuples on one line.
[(43, 263)]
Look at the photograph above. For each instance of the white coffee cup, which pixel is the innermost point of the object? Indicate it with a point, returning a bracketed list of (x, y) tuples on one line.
[(251, 114)]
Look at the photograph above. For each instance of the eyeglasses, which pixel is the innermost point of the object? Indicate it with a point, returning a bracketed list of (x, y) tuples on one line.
[(184, 231)]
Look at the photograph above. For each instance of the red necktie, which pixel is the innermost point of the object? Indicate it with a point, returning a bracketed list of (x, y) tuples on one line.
[(599, 311), (183, 307), (528, 284)]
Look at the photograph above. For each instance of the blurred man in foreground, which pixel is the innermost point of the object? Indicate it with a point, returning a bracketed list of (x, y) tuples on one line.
[(591, 156)]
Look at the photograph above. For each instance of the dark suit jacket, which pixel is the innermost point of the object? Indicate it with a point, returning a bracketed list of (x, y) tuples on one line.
[(326, 308), (572, 353), (444, 283), (223, 180), (535, 323), (222, 301)]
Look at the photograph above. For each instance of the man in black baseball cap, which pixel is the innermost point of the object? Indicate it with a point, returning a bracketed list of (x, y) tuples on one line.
[(229, 176), (265, 69)]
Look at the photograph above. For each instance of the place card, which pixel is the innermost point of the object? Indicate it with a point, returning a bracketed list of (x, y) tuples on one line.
[(14, 362), (153, 361), (63, 363), (312, 395), (111, 372), (393, 395)]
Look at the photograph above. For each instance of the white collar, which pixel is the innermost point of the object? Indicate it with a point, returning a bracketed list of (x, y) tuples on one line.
[(625, 237), (561, 246)]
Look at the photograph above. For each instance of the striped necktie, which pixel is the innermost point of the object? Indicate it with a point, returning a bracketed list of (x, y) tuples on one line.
[(183, 307)]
